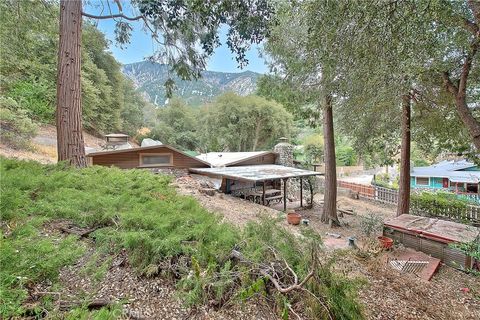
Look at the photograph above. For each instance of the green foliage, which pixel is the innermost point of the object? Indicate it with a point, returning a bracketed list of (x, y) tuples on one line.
[(26, 257), (471, 249), (313, 148), (176, 125), (16, 128), (441, 204), (82, 313), (235, 123), (29, 37), (142, 213), (371, 224), (345, 156), (35, 96)]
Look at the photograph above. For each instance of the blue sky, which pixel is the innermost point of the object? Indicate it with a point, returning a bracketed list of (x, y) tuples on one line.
[(142, 46)]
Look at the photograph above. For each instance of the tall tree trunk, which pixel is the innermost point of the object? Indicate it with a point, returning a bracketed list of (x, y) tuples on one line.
[(403, 205), (330, 198), (70, 145), (258, 128)]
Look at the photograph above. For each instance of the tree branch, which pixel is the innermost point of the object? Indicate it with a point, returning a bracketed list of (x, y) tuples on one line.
[(467, 65), (475, 7), (119, 5), (112, 16), (295, 286), (471, 26), (449, 84)]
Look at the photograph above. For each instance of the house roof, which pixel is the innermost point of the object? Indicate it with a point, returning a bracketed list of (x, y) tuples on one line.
[(116, 135), (449, 169), (219, 159), (93, 154), (255, 173)]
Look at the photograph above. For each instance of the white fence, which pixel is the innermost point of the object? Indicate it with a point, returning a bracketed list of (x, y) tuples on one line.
[(469, 213)]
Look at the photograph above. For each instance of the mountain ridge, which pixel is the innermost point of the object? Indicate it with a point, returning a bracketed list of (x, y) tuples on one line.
[(149, 78)]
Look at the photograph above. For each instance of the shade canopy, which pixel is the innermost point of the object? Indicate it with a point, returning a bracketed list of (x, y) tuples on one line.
[(255, 173)]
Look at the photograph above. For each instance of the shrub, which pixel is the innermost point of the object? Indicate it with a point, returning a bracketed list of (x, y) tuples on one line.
[(161, 232), (16, 128), (371, 224), (27, 257), (439, 204), (36, 97)]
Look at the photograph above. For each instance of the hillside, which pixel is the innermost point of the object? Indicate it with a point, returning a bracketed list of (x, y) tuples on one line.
[(149, 79)]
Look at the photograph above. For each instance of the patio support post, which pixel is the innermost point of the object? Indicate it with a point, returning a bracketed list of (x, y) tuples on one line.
[(285, 195), (263, 193), (301, 192)]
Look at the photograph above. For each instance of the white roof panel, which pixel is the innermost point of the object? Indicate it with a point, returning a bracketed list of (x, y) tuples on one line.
[(219, 159), (256, 173)]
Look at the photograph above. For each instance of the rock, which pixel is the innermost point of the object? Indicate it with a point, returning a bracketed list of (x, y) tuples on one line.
[(334, 235), (147, 142), (208, 191)]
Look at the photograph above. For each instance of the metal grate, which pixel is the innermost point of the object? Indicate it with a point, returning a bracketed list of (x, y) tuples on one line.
[(410, 266)]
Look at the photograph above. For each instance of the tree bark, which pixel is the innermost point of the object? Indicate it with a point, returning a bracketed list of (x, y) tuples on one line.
[(258, 128), (459, 90), (403, 205), (330, 199), (70, 145)]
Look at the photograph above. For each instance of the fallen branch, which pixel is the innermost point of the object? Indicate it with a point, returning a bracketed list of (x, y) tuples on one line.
[(349, 212), (295, 286), (82, 233)]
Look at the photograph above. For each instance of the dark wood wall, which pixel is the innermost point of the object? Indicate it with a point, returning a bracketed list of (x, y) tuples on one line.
[(131, 159), (261, 159)]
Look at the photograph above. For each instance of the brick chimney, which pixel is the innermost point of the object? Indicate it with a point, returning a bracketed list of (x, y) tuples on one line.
[(284, 151)]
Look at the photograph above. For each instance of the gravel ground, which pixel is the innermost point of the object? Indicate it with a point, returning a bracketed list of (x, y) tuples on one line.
[(388, 294), (144, 298)]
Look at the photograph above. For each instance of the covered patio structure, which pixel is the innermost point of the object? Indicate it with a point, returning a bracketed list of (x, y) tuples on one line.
[(244, 180)]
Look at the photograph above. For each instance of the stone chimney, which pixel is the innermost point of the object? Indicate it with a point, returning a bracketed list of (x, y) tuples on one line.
[(284, 152)]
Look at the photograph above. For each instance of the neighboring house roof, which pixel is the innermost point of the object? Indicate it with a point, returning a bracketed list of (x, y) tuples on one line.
[(93, 154), (221, 159), (453, 170)]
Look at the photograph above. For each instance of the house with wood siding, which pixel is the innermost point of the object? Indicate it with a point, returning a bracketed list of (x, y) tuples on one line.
[(159, 156)]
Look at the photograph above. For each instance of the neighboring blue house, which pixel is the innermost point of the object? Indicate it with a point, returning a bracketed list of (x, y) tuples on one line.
[(461, 177)]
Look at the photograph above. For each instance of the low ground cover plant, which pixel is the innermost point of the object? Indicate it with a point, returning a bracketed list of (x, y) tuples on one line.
[(164, 234)]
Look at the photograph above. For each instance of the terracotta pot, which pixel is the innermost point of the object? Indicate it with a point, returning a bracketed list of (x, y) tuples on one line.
[(294, 218), (385, 242)]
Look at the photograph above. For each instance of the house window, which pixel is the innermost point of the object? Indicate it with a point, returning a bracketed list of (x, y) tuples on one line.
[(421, 181), (472, 188), (155, 159)]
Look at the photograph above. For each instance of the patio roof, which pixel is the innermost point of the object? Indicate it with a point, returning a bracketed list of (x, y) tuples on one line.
[(219, 159), (256, 173)]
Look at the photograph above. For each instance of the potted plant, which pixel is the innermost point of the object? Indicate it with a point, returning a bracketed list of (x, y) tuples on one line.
[(385, 242), (293, 218)]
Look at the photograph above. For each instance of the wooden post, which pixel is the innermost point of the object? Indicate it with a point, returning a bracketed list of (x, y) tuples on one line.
[(285, 195), (301, 192), (263, 193)]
